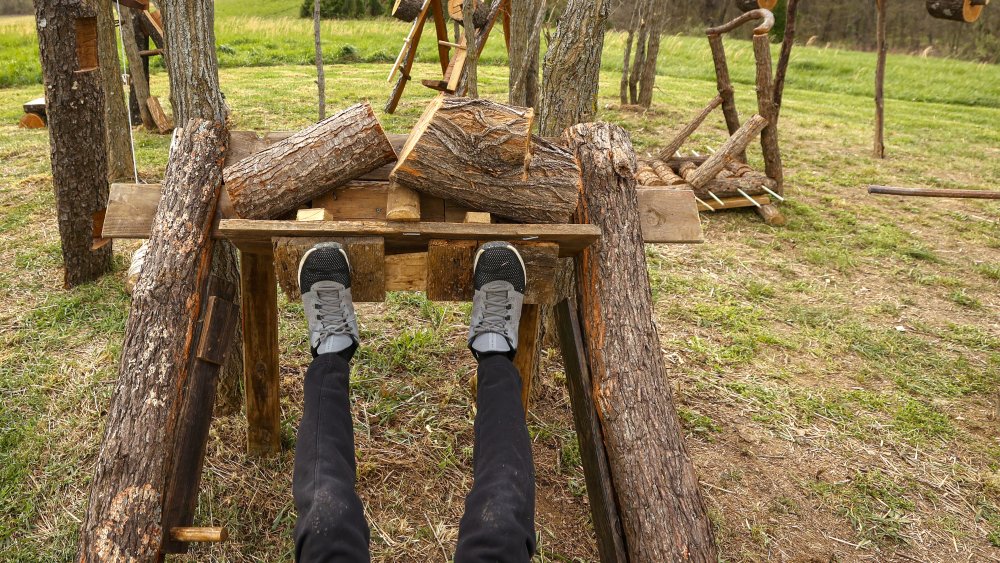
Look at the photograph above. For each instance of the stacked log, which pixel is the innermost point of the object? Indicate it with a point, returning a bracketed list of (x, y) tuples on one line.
[(482, 154)]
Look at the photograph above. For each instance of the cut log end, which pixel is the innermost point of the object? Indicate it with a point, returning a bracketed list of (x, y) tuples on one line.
[(966, 11), (31, 121), (749, 5), (407, 10)]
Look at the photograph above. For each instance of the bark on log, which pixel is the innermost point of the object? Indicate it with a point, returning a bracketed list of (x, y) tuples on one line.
[(67, 39), (126, 496), (188, 26), (725, 87), (674, 145), (481, 154), (647, 176), (766, 108), (407, 10), (662, 512), (115, 113), (733, 146), (666, 174), (308, 164), (526, 19), (480, 15), (966, 11)]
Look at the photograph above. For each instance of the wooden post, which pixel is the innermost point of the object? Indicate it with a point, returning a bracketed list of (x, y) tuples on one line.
[(67, 40), (882, 49), (260, 350), (674, 145), (596, 471), (662, 511), (137, 454), (766, 108), (137, 65), (529, 350), (725, 87)]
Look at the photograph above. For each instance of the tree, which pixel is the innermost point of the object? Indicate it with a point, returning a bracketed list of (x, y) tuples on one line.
[(193, 70), (526, 20), (120, 166), (470, 71), (572, 67), (67, 44), (639, 74)]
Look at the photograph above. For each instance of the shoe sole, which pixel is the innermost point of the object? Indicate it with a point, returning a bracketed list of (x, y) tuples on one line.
[(302, 262), (475, 262)]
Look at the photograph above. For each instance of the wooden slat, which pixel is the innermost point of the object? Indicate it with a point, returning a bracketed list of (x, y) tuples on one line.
[(529, 348), (366, 255), (669, 215), (570, 238), (733, 203), (356, 200), (596, 470), (260, 352), (189, 534)]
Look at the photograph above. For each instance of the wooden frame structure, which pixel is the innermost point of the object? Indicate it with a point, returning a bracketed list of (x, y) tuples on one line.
[(452, 68)]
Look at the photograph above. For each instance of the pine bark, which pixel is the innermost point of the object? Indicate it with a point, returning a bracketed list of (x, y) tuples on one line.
[(191, 62), (123, 521), (661, 508), (115, 113), (482, 154), (572, 67), (77, 142), (308, 164)]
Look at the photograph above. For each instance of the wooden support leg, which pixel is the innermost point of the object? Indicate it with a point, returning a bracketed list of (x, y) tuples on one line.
[(596, 471), (260, 351), (529, 350)]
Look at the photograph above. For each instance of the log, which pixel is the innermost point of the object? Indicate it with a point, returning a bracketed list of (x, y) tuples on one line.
[(402, 203), (163, 123), (966, 11), (662, 512), (766, 108), (725, 87), (771, 215), (646, 176), (189, 534), (675, 144), (137, 452), (308, 164), (481, 154), (407, 10), (31, 121), (882, 49), (729, 187), (666, 174), (733, 146), (479, 17), (926, 192), (749, 5)]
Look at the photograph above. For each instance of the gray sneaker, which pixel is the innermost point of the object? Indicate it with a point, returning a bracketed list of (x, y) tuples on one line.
[(325, 283), (499, 280)]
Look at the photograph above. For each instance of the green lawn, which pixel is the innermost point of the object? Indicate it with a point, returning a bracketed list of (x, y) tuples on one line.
[(837, 378)]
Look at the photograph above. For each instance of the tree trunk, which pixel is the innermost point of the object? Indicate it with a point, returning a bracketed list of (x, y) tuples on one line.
[(647, 78), (191, 62), (308, 164), (470, 70), (138, 66), (320, 75), (116, 127), (193, 71), (123, 520), (67, 39), (661, 509), (766, 108), (632, 25), (572, 67), (482, 155), (526, 20), (640, 51)]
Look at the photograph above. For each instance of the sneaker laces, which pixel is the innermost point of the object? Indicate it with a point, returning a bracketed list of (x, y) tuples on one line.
[(331, 313), (495, 308)]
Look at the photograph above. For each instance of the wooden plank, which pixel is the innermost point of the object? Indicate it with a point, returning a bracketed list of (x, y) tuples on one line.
[(732, 203), (86, 44), (529, 350), (570, 238), (449, 264), (36, 106), (666, 214), (313, 214), (191, 534), (669, 215), (596, 470), (366, 255), (218, 329), (406, 272), (260, 352)]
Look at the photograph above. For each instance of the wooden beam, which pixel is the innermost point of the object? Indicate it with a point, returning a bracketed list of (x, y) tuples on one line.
[(529, 350), (260, 351), (366, 255), (449, 265), (570, 238)]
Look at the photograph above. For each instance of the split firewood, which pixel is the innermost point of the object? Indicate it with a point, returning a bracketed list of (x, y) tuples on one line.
[(666, 173), (646, 176), (675, 145), (308, 164), (738, 168), (481, 154), (402, 203), (735, 145)]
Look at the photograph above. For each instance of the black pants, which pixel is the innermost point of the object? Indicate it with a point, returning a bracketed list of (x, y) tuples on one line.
[(499, 520)]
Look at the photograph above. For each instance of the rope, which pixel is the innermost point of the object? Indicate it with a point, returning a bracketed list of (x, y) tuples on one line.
[(125, 80)]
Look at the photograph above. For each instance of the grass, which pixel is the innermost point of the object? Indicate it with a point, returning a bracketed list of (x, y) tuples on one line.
[(836, 378)]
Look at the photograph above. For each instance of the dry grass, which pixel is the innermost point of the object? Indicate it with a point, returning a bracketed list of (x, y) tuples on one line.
[(837, 378)]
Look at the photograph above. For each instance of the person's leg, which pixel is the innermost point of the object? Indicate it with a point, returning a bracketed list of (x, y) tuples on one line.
[(331, 524), (499, 520)]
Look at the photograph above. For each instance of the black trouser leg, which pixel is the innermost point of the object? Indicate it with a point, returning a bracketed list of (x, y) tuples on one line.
[(499, 520), (331, 525)]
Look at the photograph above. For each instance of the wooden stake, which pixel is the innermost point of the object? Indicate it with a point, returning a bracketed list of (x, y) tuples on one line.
[(881, 49), (733, 146), (673, 146), (925, 192)]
